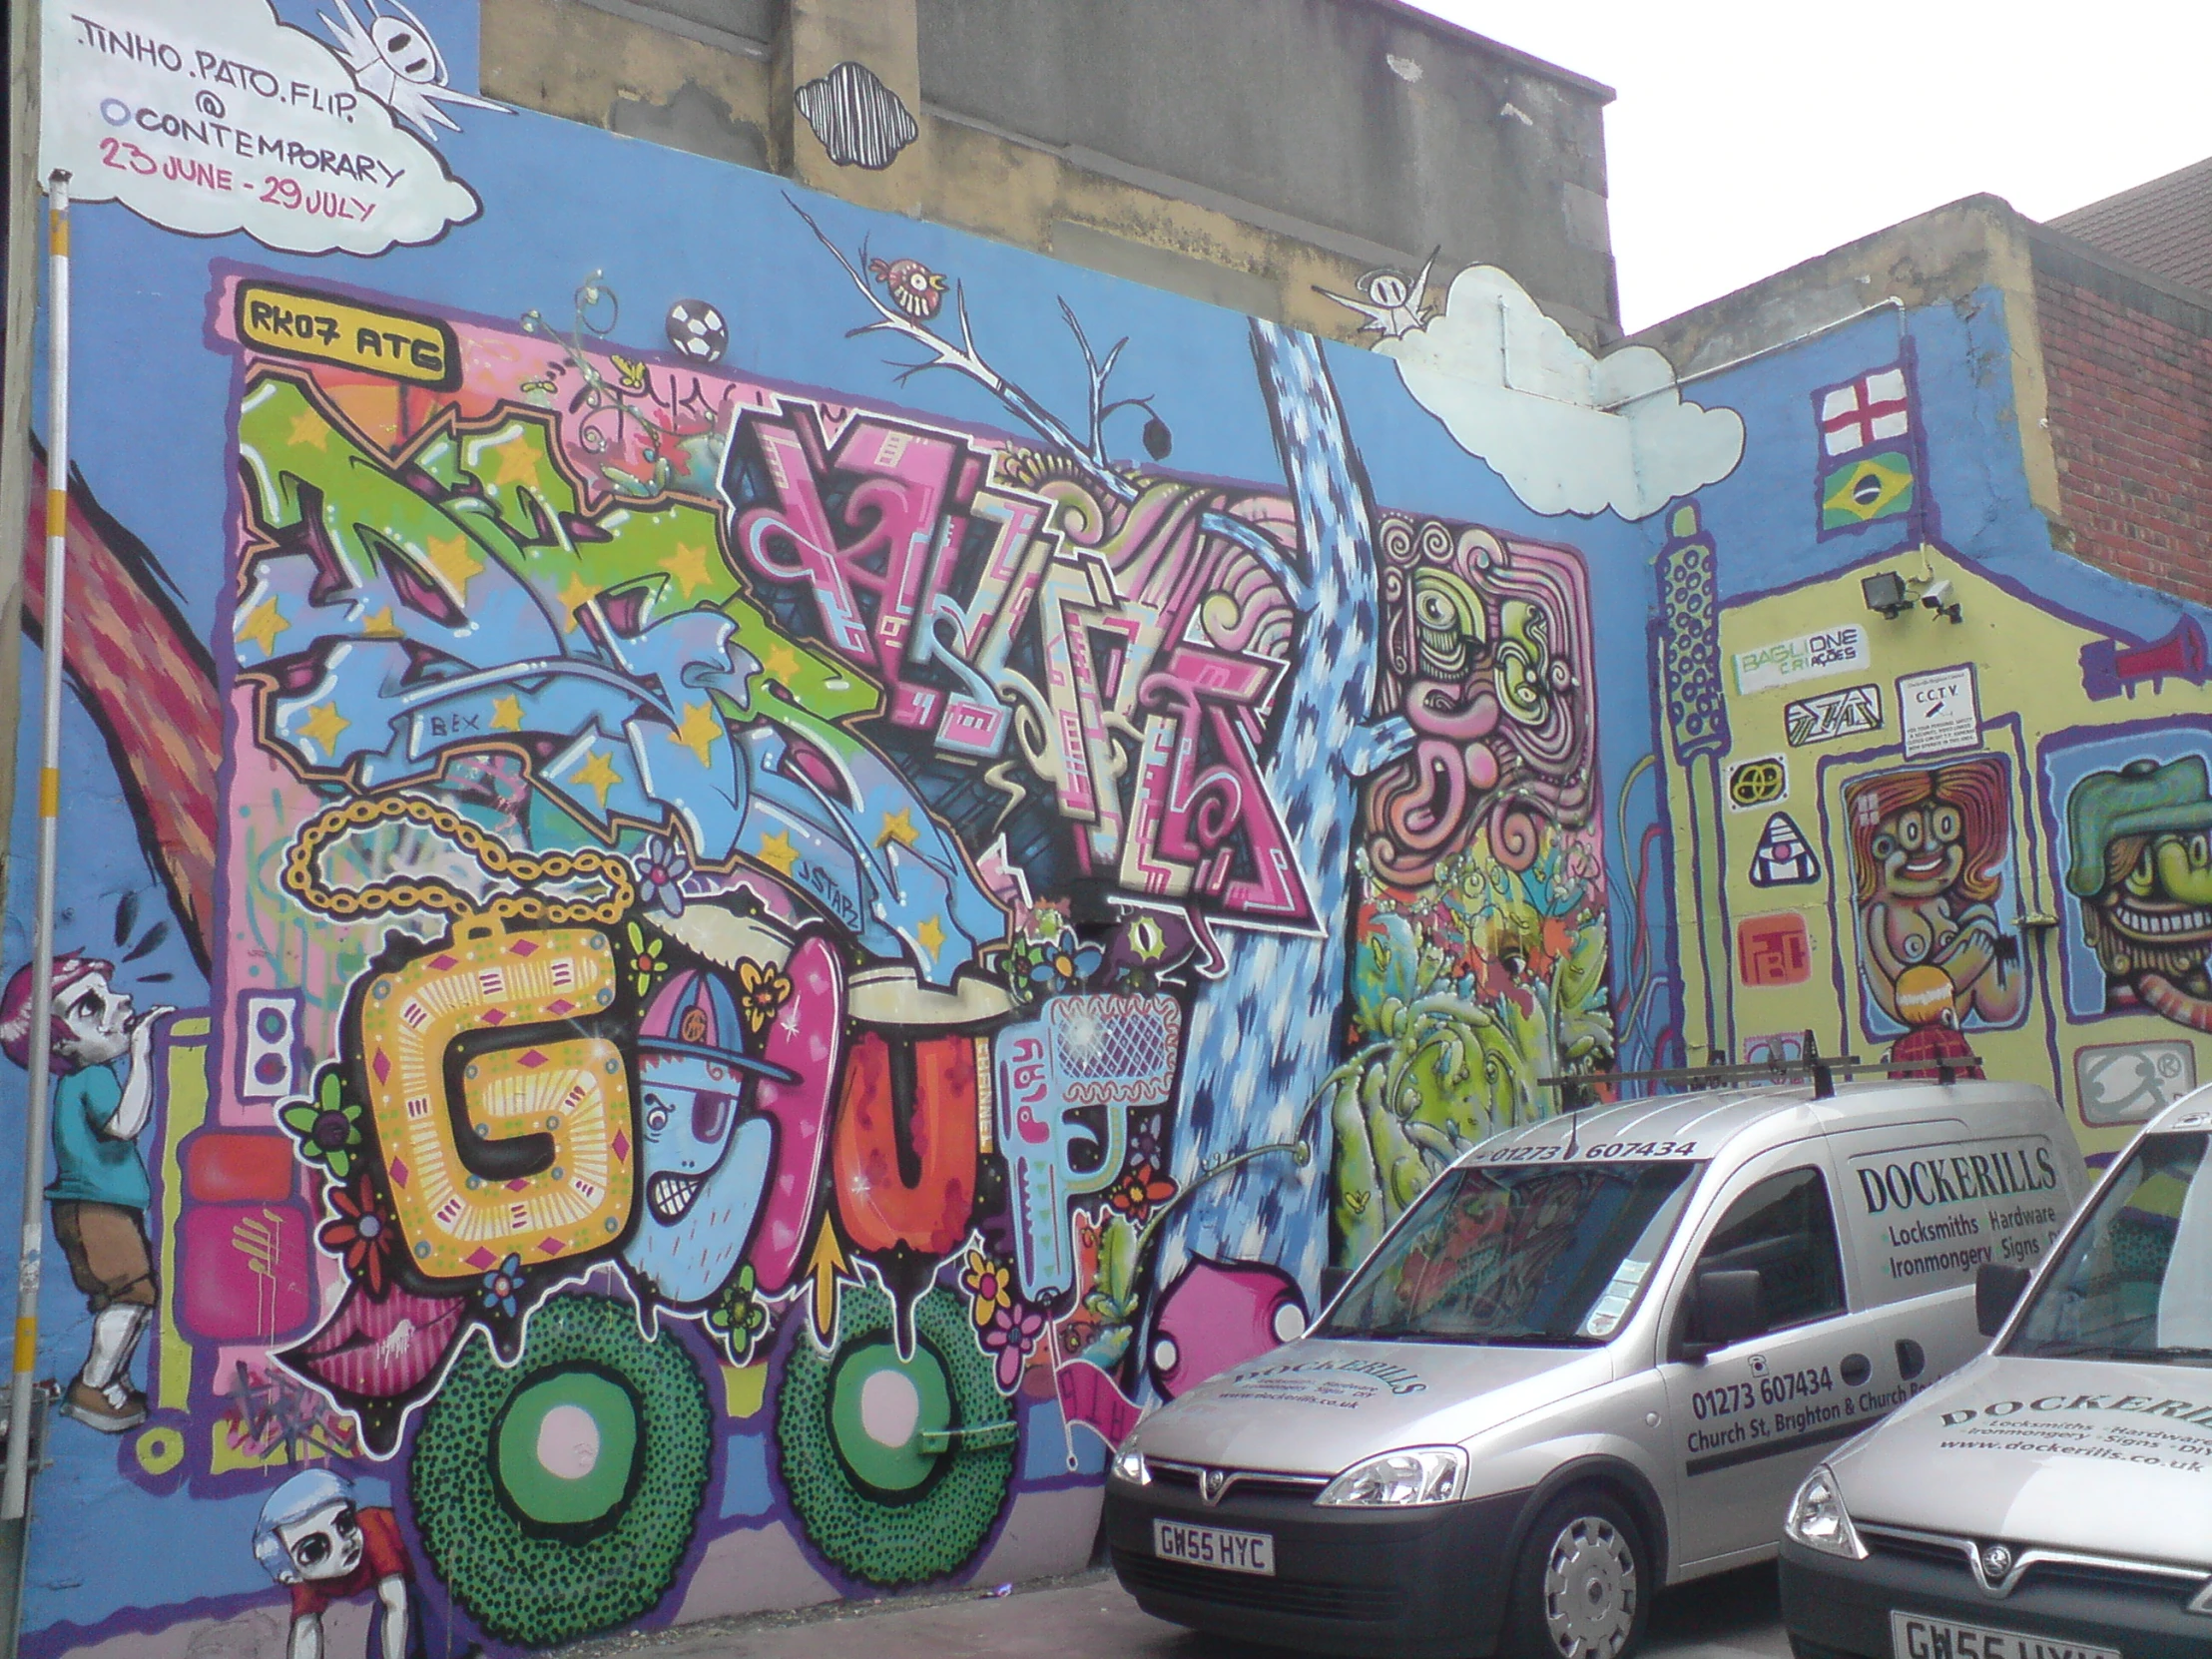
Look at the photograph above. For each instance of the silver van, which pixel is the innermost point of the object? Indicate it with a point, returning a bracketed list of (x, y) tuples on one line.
[(2053, 1498), (1596, 1357)]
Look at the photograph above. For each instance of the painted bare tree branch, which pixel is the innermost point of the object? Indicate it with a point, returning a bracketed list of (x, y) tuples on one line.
[(1091, 456)]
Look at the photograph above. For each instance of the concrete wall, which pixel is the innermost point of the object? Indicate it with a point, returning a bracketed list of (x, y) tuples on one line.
[(1240, 152)]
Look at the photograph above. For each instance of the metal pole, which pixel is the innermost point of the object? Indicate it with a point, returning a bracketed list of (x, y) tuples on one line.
[(15, 1487)]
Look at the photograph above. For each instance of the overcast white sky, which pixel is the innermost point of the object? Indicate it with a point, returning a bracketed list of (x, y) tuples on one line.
[(1752, 133)]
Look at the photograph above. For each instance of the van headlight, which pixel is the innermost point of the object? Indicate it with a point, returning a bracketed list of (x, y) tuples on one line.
[(1819, 1520), (1400, 1479), (1129, 1466)]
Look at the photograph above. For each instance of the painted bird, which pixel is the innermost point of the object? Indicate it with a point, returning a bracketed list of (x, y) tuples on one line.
[(914, 289)]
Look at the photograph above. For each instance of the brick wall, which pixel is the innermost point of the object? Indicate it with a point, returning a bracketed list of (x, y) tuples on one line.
[(2129, 366)]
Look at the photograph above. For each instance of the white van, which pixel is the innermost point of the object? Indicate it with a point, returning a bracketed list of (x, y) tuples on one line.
[(2052, 1499), (1596, 1357)]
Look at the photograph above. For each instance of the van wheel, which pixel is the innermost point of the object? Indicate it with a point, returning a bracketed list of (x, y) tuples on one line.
[(1582, 1584)]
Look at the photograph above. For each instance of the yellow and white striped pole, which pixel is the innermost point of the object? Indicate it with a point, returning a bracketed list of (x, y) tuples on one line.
[(15, 1487)]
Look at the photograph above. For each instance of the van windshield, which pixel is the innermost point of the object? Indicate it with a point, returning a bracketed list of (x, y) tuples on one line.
[(2135, 1282), (1539, 1256)]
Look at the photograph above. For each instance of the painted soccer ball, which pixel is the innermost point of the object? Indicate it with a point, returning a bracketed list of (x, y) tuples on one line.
[(696, 329)]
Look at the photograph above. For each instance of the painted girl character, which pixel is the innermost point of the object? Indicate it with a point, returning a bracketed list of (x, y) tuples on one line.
[(1927, 850), (708, 1152)]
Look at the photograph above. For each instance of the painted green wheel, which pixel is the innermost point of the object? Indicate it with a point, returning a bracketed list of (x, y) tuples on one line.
[(897, 1467), (557, 1498)]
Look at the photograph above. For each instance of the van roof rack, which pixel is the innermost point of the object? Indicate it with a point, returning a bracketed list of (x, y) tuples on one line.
[(1823, 1070)]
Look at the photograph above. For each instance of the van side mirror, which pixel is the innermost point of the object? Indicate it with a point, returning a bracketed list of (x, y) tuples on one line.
[(1996, 1291), (1728, 1306)]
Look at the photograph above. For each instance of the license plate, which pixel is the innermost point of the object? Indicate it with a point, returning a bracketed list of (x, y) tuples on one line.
[(1217, 1547), (1914, 1637)]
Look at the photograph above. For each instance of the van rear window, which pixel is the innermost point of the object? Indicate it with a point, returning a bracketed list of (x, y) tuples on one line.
[(1541, 1256)]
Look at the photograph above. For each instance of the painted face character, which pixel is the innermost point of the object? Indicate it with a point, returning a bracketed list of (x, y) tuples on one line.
[(1920, 850), (2143, 868), (1927, 850), (707, 1153), (96, 1018), (326, 1544)]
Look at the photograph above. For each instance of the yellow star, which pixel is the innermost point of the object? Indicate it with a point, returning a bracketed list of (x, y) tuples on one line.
[(506, 714), (687, 565), (515, 460), (574, 598), (378, 625), (324, 726), (932, 936), (452, 559), (698, 732), (597, 775), (308, 426), (263, 624), (782, 662), (778, 854), (898, 826)]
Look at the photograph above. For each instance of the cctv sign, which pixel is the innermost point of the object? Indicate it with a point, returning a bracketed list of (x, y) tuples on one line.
[(1939, 712)]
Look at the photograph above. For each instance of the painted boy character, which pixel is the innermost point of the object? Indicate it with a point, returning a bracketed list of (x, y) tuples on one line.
[(102, 1097), (313, 1539)]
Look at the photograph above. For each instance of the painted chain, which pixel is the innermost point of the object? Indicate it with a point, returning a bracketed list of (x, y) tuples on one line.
[(398, 893)]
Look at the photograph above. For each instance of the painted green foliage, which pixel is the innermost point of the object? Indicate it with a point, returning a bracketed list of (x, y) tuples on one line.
[(1464, 994)]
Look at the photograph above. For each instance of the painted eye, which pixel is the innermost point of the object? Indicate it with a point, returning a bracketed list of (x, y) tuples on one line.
[(2200, 850), (709, 1116), (656, 1114), (1913, 947), (310, 1552), (1885, 845), (1948, 826), (345, 1523)]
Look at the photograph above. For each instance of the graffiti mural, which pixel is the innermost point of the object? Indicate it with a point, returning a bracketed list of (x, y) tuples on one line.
[(1930, 849), (1481, 929), (745, 933)]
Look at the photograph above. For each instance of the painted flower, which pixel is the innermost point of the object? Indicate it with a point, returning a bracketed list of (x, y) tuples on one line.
[(1066, 965), (661, 870), (646, 963), (329, 1127), (503, 1287), (362, 1231), (990, 1287), (738, 1318), (1011, 1334), (762, 989), (1139, 1190)]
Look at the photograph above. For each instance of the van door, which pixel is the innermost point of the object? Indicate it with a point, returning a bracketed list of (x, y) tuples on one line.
[(1922, 1204), (1750, 1419)]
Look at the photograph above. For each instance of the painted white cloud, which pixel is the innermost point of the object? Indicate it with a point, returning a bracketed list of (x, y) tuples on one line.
[(216, 116), (1569, 432)]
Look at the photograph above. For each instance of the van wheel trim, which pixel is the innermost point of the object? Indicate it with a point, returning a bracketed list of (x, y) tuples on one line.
[(1590, 1589)]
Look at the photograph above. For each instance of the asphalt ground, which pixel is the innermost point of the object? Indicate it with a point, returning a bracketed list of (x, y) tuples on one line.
[(1088, 1616)]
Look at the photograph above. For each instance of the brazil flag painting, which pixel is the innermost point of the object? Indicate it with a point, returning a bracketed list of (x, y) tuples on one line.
[(1863, 490)]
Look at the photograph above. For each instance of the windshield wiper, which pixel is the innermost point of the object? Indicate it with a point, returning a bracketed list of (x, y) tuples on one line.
[(2116, 1351), (1461, 1339)]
